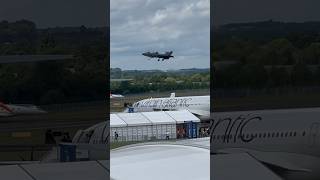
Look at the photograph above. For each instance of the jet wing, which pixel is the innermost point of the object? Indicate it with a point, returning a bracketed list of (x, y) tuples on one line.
[(239, 166), (199, 112), (284, 160)]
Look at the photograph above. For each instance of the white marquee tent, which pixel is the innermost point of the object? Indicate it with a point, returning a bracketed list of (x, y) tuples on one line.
[(148, 125)]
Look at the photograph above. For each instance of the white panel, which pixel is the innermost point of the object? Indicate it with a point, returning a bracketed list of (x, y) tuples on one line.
[(140, 138), (129, 134), (125, 134), (183, 116), (134, 133), (134, 119), (115, 121), (159, 117)]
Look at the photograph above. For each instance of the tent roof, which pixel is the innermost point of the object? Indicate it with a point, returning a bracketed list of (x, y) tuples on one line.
[(116, 121), (159, 117)]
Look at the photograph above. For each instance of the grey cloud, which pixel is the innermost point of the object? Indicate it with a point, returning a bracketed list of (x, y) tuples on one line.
[(153, 25)]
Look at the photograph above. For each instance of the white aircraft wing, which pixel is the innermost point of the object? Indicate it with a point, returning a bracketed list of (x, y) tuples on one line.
[(284, 160), (186, 160), (199, 112), (239, 166)]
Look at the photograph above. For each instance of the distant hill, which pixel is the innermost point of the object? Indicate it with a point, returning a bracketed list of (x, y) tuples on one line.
[(266, 30)]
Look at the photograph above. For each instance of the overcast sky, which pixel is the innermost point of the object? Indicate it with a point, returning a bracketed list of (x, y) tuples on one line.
[(182, 26)]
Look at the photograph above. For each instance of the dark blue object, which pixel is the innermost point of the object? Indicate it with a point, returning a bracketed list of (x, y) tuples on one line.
[(194, 130), (67, 152), (130, 109)]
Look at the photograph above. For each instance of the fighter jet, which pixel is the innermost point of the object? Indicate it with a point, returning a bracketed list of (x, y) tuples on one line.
[(166, 55)]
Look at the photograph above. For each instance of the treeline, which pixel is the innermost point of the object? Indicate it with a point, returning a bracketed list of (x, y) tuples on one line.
[(80, 79), (142, 81), (267, 54), (257, 76)]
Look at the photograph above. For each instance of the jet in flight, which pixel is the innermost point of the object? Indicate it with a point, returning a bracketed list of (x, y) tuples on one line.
[(166, 55)]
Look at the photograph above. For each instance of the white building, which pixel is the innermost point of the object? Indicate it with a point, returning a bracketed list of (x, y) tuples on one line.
[(146, 126)]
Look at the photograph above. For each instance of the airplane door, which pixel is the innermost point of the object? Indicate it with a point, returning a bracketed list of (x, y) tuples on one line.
[(314, 131)]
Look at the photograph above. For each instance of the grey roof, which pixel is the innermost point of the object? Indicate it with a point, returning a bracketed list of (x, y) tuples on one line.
[(132, 119), (159, 117), (117, 121), (151, 118)]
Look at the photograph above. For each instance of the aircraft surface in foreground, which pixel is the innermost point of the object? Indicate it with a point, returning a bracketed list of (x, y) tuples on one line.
[(279, 144), (283, 142), (164, 56)]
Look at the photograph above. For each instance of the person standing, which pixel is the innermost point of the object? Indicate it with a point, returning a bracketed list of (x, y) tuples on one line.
[(116, 135)]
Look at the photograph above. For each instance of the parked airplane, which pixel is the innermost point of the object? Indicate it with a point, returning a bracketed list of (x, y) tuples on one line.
[(18, 109), (280, 144), (198, 105), (166, 55), (116, 95)]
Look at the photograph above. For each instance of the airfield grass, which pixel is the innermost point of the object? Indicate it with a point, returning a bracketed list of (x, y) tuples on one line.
[(267, 102)]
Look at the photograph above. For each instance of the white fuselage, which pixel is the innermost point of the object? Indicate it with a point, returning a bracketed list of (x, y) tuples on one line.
[(116, 96), (288, 139), (12, 110), (276, 137), (191, 103)]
